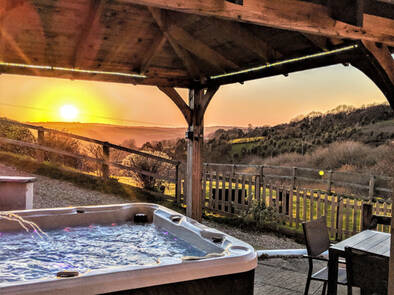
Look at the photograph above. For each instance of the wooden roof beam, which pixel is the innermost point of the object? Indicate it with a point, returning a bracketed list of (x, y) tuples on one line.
[(185, 57), (294, 15), (205, 100), (155, 48), (246, 38), (200, 49), (378, 64), (318, 60), (319, 42), (180, 103), (92, 19), (347, 11)]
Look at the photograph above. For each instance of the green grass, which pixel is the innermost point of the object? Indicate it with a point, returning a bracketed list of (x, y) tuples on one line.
[(246, 140)]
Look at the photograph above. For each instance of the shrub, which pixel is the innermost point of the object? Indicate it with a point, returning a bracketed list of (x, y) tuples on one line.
[(157, 167), (339, 154), (62, 143), (16, 132), (261, 215)]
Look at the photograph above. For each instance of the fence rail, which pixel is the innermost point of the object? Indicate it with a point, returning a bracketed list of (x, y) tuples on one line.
[(103, 161), (41, 131), (369, 186)]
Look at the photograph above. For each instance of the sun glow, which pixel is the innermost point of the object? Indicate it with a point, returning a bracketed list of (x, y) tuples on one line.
[(68, 112)]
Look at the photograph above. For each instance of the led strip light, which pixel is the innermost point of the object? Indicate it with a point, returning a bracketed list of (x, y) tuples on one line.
[(72, 70), (284, 62)]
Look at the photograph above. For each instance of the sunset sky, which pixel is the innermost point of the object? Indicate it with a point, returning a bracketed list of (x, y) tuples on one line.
[(267, 101)]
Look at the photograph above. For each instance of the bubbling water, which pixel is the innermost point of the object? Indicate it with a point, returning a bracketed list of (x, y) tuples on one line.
[(26, 257), (25, 224)]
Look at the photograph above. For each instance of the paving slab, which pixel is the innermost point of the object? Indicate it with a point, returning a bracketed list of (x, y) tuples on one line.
[(284, 276)]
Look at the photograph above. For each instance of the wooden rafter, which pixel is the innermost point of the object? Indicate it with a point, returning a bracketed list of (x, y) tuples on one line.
[(347, 11), (205, 100), (294, 15), (157, 45), (286, 67), (246, 38), (383, 56), (200, 49), (319, 42), (378, 64), (95, 7), (187, 60), (180, 103)]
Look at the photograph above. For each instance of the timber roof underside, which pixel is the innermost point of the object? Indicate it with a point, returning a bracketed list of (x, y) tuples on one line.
[(170, 48)]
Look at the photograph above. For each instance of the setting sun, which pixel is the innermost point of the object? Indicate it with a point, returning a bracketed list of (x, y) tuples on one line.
[(68, 112)]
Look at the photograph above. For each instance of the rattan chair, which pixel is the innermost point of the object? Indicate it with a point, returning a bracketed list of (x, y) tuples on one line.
[(317, 241), (369, 272)]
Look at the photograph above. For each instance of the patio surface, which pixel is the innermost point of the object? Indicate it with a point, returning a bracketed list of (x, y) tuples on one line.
[(286, 276)]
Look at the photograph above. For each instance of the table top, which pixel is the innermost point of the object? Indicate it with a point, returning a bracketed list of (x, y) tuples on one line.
[(368, 240)]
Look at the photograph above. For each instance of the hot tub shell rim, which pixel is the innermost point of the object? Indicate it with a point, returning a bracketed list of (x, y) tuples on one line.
[(104, 280)]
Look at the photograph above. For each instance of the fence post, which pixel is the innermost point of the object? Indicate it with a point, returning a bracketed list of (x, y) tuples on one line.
[(105, 167), (329, 181), (338, 234), (366, 216), (40, 140), (371, 186), (293, 180), (177, 185), (262, 181)]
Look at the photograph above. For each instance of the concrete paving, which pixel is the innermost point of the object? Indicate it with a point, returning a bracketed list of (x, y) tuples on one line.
[(285, 276)]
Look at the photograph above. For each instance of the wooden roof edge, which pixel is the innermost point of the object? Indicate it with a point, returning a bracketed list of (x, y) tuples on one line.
[(295, 15)]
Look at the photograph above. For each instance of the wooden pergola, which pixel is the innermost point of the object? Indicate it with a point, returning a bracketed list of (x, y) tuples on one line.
[(195, 44)]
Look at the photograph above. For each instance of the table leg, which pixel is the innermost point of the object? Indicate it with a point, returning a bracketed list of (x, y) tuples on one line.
[(332, 272)]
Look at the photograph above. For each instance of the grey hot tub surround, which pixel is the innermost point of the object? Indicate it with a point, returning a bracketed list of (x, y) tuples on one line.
[(228, 269)]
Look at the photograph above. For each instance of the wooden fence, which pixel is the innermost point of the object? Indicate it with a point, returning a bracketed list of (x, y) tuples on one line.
[(233, 189), (172, 176)]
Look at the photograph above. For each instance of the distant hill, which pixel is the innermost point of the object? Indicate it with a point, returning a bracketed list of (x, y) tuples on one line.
[(372, 125), (118, 134)]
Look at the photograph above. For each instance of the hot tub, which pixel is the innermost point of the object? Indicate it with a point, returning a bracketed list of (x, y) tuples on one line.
[(227, 267)]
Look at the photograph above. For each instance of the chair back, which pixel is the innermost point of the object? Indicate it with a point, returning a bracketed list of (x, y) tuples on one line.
[(316, 236), (367, 271)]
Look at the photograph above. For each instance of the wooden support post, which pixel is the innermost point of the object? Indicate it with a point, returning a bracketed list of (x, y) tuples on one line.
[(41, 141), (366, 216), (177, 185), (194, 145), (105, 167), (194, 116), (293, 179)]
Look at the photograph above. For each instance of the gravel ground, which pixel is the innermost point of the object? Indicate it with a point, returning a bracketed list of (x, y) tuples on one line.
[(258, 240), (50, 193)]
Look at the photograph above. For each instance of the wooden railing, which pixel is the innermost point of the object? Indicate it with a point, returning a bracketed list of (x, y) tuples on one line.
[(233, 189), (172, 177)]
